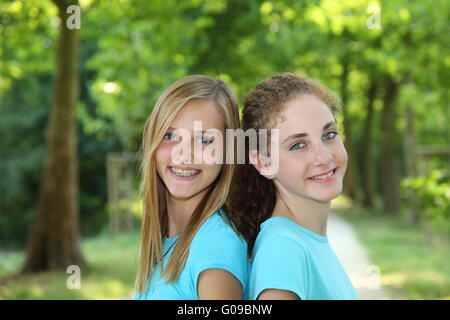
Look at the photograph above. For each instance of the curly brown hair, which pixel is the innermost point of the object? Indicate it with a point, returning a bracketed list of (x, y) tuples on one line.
[(252, 196)]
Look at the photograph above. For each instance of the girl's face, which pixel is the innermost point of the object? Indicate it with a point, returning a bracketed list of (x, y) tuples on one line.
[(188, 177), (312, 157)]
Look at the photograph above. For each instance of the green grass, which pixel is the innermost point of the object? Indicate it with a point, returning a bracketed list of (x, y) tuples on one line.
[(409, 265), (112, 269)]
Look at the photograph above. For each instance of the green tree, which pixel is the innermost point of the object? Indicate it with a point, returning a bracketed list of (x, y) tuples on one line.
[(54, 241)]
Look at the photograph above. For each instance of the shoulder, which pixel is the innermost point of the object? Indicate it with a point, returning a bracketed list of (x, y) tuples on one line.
[(217, 246), (279, 260), (217, 230), (278, 235)]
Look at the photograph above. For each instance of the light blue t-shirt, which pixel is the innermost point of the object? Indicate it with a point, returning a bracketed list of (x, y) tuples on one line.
[(287, 256), (216, 245)]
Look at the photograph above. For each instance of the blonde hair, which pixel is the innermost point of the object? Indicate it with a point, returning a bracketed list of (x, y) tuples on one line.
[(154, 220)]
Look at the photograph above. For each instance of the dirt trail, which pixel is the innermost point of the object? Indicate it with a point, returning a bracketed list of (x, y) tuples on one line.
[(365, 276)]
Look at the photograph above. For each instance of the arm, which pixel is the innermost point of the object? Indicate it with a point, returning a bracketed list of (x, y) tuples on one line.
[(218, 284), (275, 294)]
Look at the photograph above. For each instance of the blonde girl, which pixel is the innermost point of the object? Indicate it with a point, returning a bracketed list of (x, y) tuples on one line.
[(189, 245)]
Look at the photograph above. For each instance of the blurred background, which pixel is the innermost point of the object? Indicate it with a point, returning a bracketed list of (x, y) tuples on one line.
[(78, 83)]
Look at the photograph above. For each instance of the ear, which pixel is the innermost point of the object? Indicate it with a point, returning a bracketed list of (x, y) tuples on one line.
[(261, 163)]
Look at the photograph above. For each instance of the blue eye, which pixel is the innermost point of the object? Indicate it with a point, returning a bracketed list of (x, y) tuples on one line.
[(205, 141), (330, 135), (297, 146), (170, 137)]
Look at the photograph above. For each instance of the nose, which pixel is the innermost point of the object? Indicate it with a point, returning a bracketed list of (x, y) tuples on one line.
[(183, 150), (187, 151), (322, 155)]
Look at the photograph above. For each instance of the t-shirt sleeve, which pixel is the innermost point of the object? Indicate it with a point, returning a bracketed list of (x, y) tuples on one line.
[(220, 248), (278, 263)]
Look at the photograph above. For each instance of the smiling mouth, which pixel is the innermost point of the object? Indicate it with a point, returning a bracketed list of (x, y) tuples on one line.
[(324, 175), (184, 173)]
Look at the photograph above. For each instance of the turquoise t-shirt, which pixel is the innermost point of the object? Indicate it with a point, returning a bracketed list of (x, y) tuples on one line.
[(216, 245), (287, 256)]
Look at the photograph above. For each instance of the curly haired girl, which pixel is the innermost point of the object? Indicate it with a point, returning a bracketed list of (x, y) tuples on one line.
[(284, 212)]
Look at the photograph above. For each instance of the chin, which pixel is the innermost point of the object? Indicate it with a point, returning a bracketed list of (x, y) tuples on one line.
[(329, 196), (181, 192)]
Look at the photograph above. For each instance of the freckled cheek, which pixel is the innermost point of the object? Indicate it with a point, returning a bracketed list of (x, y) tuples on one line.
[(341, 156), (291, 166), (163, 154)]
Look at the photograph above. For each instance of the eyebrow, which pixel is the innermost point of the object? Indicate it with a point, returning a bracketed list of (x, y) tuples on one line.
[(173, 129), (301, 135)]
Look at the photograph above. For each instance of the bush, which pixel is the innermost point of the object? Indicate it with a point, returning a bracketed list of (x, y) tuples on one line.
[(433, 194)]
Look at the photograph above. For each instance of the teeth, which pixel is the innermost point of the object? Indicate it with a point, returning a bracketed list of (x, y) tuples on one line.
[(323, 176), (184, 173)]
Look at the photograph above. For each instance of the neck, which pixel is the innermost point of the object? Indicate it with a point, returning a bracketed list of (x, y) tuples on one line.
[(179, 212), (308, 213)]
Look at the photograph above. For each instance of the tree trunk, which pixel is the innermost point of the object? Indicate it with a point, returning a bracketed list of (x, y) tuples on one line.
[(350, 183), (389, 168), (410, 153), (367, 164), (54, 239)]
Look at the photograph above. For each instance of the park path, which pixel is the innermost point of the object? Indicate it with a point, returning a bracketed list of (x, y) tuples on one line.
[(364, 275)]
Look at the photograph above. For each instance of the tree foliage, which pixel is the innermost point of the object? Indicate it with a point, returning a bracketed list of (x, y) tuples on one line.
[(131, 51)]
